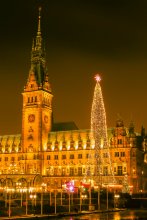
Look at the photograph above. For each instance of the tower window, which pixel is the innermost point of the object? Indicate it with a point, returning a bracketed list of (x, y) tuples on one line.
[(119, 141), (35, 98), (133, 154), (28, 99)]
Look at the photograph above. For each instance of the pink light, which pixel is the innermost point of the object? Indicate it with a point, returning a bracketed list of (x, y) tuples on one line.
[(97, 78), (71, 188)]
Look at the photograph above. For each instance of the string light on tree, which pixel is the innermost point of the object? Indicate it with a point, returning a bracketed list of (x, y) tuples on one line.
[(98, 128), (99, 133)]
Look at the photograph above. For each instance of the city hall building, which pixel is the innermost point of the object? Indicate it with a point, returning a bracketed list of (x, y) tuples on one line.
[(57, 153)]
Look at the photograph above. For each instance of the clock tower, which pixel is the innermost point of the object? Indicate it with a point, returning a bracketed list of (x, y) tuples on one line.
[(37, 108)]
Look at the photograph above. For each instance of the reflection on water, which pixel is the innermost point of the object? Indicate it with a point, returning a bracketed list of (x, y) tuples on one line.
[(123, 215)]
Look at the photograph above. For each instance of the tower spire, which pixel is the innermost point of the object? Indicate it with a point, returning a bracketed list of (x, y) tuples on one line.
[(39, 37), (38, 71), (39, 22)]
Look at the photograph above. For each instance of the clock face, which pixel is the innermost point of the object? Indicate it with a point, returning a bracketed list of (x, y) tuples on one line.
[(31, 118), (46, 119)]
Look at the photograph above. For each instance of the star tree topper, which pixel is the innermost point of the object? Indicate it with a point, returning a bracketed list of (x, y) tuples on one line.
[(97, 78)]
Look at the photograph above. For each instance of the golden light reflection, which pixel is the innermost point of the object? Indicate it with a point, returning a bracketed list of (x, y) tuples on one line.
[(117, 216)]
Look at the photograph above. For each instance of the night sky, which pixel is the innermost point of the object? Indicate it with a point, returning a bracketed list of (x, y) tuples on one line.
[(82, 37)]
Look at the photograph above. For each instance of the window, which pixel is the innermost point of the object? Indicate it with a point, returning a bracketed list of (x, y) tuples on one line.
[(89, 171), (116, 154), (63, 157), (114, 169), (87, 156), (55, 171), (133, 154), (80, 171), (0, 159), (49, 145), (28, 99), (122, 154), (48, 157), (63, 145), (56, 157), (105, 155), (119, 170), (63, 171), (71, 156), (56, 144), (35, 98), (119, 141), (6, 158), (105, 170), (13, 148), (125, 169), (134, 171), (88, 144), (71, 171), (80, 144), (12, 158), (72, 144), (79, 156)]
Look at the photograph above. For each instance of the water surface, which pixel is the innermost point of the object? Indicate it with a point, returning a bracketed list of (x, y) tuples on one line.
[(122, 215)]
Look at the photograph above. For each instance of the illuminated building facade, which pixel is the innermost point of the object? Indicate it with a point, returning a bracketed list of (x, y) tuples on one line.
[(58, 152)]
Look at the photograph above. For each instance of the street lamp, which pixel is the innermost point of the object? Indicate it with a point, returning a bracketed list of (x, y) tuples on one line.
[(9, 191), (116, 198), (99, 197), (27, 199), (107, 197), (55, 201), (19, 187), (33, 198), (69, 201), (43, 188)]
